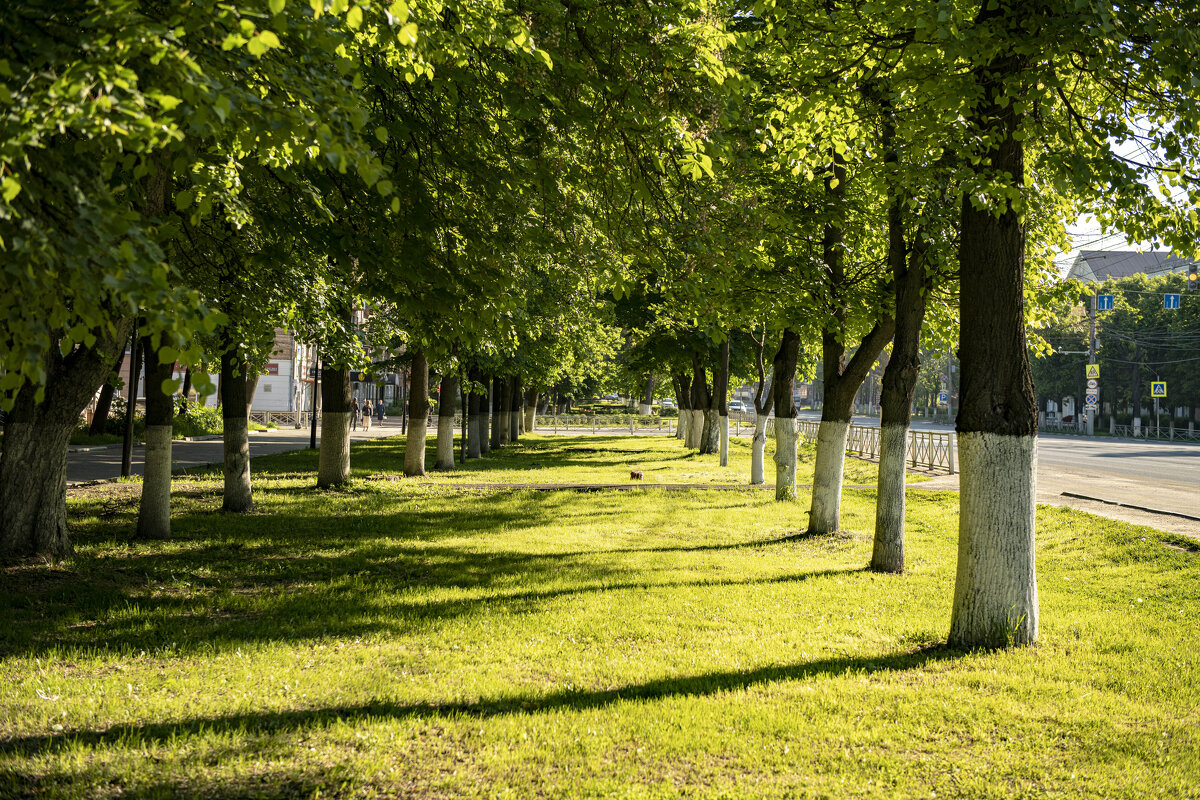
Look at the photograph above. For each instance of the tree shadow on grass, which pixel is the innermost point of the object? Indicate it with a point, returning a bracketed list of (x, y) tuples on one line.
[(574, 700), (327, 570)]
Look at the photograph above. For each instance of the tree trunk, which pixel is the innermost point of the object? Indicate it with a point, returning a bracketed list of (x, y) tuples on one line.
[(683, 394), (995, 591), (514, 410), (33, 465), (758, 451), (473, 421), (154, 510), (722, 402), (333, 457), (700, 404), (531, 407), (445, 431), (498, 418), (647, 407), (135, 374), (104, 403), (235, 418), (786, 432), (485, 406), (418, 405), (184, 391), (841, 380)]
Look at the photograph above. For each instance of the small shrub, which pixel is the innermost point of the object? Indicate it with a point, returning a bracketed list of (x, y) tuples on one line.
[(198, 421)]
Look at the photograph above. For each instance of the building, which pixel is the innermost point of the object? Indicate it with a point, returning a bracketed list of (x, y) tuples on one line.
[(1099, 265)]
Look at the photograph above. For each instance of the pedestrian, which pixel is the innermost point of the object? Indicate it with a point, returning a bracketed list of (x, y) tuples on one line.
[(366, 412), (354, 414), (379, 409)]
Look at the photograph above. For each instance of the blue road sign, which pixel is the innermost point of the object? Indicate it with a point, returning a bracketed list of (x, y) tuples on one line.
[(1158, 388), (943, 399), (1091, 399), (1170, 301), (1104, 302)]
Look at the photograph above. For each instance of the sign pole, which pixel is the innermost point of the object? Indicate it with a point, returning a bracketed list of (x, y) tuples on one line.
[(1091, 417)]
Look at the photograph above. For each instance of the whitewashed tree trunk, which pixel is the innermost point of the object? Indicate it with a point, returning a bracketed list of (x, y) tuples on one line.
[(888, 553), (995, 592), (685, 425), (697, 428), (724, 428), (238, 495), (445, 441), (758, 451), (827, 477), (645, 409), (787, 433), (154, 510), (711, 433), (333, 459), (530, 418), (681, 425)]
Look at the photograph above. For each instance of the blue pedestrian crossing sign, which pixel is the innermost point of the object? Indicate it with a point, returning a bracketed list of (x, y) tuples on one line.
[(1170, 301), (1104, 302), (1158, 388)]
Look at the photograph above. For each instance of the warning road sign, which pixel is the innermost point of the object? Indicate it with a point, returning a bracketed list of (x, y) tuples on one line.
[(1158, 388), (1092, 371)]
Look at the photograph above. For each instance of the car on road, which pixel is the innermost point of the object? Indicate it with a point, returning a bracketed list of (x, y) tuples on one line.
[(738, 406), (666, 402)]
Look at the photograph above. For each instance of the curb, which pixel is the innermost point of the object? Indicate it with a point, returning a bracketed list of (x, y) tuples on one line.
[(1131, 505)]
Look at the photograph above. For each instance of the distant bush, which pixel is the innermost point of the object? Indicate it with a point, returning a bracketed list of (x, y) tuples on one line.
[(197, 421)]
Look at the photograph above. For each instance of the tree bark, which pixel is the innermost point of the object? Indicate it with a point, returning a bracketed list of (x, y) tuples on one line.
[(473, 421), (995, 592), (842, 380), (701, 399), (104, 403), (235, 418), (764, 400), (505, 421), (485, 406), (445, 431), (135, 374), (684, 400), (154, 510), (531, 407), (647, 407), (722, 402), (498, 417), (184, 391), (333, 457), (514, 409), (785, 414), (418, 405), (33, 465)]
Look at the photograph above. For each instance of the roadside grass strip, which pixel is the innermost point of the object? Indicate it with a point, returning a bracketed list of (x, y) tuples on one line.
[(406, 639)]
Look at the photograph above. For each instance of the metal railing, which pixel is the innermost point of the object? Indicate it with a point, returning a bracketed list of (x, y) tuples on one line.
[(929, 449)]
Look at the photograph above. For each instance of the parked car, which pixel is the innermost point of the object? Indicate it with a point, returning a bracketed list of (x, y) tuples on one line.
[(666, 402), (738, 406)]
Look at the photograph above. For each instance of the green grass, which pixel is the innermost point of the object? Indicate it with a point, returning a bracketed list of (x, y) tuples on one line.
[(584, 460), (404, 639)]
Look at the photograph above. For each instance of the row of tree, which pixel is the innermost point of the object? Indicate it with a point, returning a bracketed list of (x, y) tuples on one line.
[(734, 183)]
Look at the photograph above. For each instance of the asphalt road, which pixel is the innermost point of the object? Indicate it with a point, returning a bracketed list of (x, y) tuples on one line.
[(97, 464)]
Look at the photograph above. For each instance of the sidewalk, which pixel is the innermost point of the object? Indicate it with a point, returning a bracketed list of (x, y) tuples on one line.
[(1100, 495), (87, 465)]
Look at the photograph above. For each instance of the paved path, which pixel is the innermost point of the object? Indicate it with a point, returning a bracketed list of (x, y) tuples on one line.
[(98, 464)]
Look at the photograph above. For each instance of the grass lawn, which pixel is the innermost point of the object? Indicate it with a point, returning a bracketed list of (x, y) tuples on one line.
[(407, 639)]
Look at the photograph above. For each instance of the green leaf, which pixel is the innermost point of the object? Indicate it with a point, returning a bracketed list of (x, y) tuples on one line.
[(381, 134), (354, 18), (408, 35), (277, 6), (10, 189), (184, 199), (269, 39), (399, 12)]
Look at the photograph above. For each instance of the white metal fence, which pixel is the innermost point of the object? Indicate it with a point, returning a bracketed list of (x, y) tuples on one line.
[(929, 449)]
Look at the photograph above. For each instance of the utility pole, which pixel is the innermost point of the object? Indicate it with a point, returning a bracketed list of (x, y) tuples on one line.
[(312, 417), (1091, 417)]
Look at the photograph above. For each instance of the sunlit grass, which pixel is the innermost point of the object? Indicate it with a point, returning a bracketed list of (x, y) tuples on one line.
[(404, 638)]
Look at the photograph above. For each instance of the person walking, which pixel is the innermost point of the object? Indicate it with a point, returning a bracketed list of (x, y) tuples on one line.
[(354, 414), (366, 414)]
